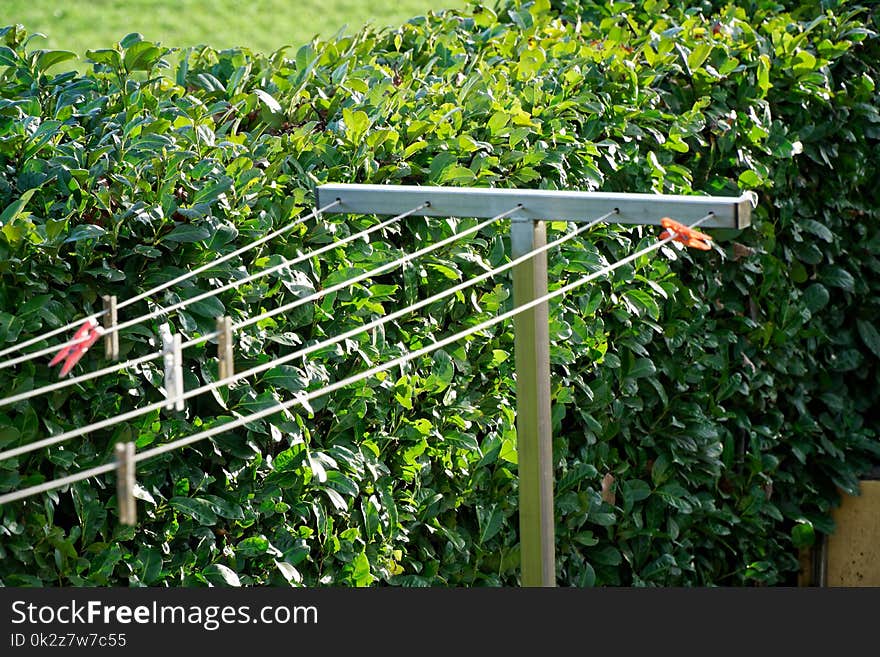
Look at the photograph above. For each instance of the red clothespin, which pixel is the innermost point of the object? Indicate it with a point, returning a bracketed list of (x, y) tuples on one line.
[(685, 235), (84, 338)]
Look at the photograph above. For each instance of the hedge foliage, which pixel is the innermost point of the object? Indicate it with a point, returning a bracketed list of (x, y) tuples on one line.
[(707, 408)]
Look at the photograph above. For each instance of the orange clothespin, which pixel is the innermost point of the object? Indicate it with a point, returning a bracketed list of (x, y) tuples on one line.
[(685, 235), (84, 338)]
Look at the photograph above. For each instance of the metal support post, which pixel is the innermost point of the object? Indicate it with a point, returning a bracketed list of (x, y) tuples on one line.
[(533, 420)]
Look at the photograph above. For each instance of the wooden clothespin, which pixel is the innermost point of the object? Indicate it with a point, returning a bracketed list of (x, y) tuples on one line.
[(111, 335), (172, 356), (125, 471), (225, 361)]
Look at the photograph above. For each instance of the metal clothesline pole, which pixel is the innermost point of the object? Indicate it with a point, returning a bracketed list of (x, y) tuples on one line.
[(531, 327), (534, 439)]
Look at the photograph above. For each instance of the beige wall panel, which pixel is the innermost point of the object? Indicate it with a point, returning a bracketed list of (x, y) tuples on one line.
[(853, 557)]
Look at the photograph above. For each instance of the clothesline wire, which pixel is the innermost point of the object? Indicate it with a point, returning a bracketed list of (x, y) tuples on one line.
[(81, 431), (88, 376), (161, 312), (143, 295), (305, 398), (305, 351), (374, 272), (298, 302)]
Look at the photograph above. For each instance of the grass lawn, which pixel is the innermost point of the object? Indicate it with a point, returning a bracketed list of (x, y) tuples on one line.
[(262, 25)]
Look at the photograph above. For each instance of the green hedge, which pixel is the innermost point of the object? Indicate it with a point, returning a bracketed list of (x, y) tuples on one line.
[(707, 407)]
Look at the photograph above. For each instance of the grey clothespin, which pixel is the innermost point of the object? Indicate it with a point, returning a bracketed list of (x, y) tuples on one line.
[(172, 356), (225, 361), (111, 335), (125, 471)]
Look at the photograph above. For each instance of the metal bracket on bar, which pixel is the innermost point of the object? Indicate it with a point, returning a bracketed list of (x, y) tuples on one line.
[(172, 356), (125, 478), (537, 204), (111, 336), (225, 360)]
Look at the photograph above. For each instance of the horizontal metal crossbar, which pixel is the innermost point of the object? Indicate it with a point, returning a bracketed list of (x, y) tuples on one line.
[(632, 208)]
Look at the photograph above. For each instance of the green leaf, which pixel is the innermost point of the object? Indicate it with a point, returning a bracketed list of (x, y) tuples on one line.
[(457, 174), (221, 575), (461, 440), (8, 56), (805, 62), (749, 180), (838, 277), (151, 564), (196, 508), (289, 572), (286, 377), (208, 194), (131, 39), (530, 62), (8, 435), (223, 507), (187, 233), (605, 556), (497, 122), (641, 367), (370, 513), (674, 495), (269, 102), (817, 229), (869, 336), (254, 546), (588, 576), (13, 210), (105, 561), (846, 360), (816, 297), (105, 56), (339, 482), (289, 459), (491, 519), (142, 56), (803, 535), (358, 571), (210, 307), (356, 124), (336, 500), (643, 302), (763, 73), (658, 566), (85, 232), (699, 55), (656, 167), (635, 490), (448, 272), (49, 58), (14, 234)]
